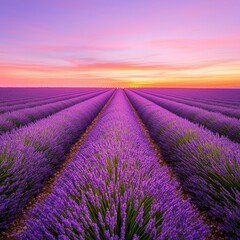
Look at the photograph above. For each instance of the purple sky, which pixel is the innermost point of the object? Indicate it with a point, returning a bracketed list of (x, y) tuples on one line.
[(120, 43)]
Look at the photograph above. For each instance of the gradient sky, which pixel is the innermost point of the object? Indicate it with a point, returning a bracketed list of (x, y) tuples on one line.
[(120, 43)]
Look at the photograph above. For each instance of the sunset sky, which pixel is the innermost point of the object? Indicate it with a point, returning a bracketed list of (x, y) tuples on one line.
[(120, 43)]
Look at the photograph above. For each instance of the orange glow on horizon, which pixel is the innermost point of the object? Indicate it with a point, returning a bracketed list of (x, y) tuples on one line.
[(121, 75)]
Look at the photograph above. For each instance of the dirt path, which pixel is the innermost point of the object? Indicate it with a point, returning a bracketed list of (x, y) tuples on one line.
[(19, 223), (216, 233)]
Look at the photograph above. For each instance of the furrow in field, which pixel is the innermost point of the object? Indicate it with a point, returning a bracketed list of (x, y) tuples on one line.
[(207, 165), (30, 155), (22, 117), (115, 188), (216, 122)]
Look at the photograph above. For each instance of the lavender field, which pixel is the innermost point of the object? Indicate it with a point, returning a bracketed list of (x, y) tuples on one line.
[(101, 163)]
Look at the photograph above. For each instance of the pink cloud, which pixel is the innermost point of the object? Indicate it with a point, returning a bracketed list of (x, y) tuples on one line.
[(195, 44), (68, 47), (90, 64)]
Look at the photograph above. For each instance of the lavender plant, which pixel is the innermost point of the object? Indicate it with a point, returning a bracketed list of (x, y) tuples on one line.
[(216, 122), (213, 96), (207, 165), (33, 102), (225, 110), (18, 118), (30, 155), (115, 188)]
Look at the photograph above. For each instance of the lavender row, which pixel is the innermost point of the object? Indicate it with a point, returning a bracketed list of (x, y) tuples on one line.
[(16, 95), (33, 103), (235, 113), (199, 99), (216, 122), (207, 165), (231, 111), (222, 95), (26, 100), (210, 101), (30, 155), (115, 188), (19, 118)]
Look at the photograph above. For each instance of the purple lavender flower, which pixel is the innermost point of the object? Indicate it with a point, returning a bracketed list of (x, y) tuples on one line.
[(116, 164), (206, 164), (30, 155)]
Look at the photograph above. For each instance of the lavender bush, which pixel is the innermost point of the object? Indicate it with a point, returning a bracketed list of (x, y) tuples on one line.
[(209, 101), (227, 97), (32, 102), (115, 188), (30, 155), (226, 110), (207, 165), (216, 122), (15, 95), (18, 118)]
